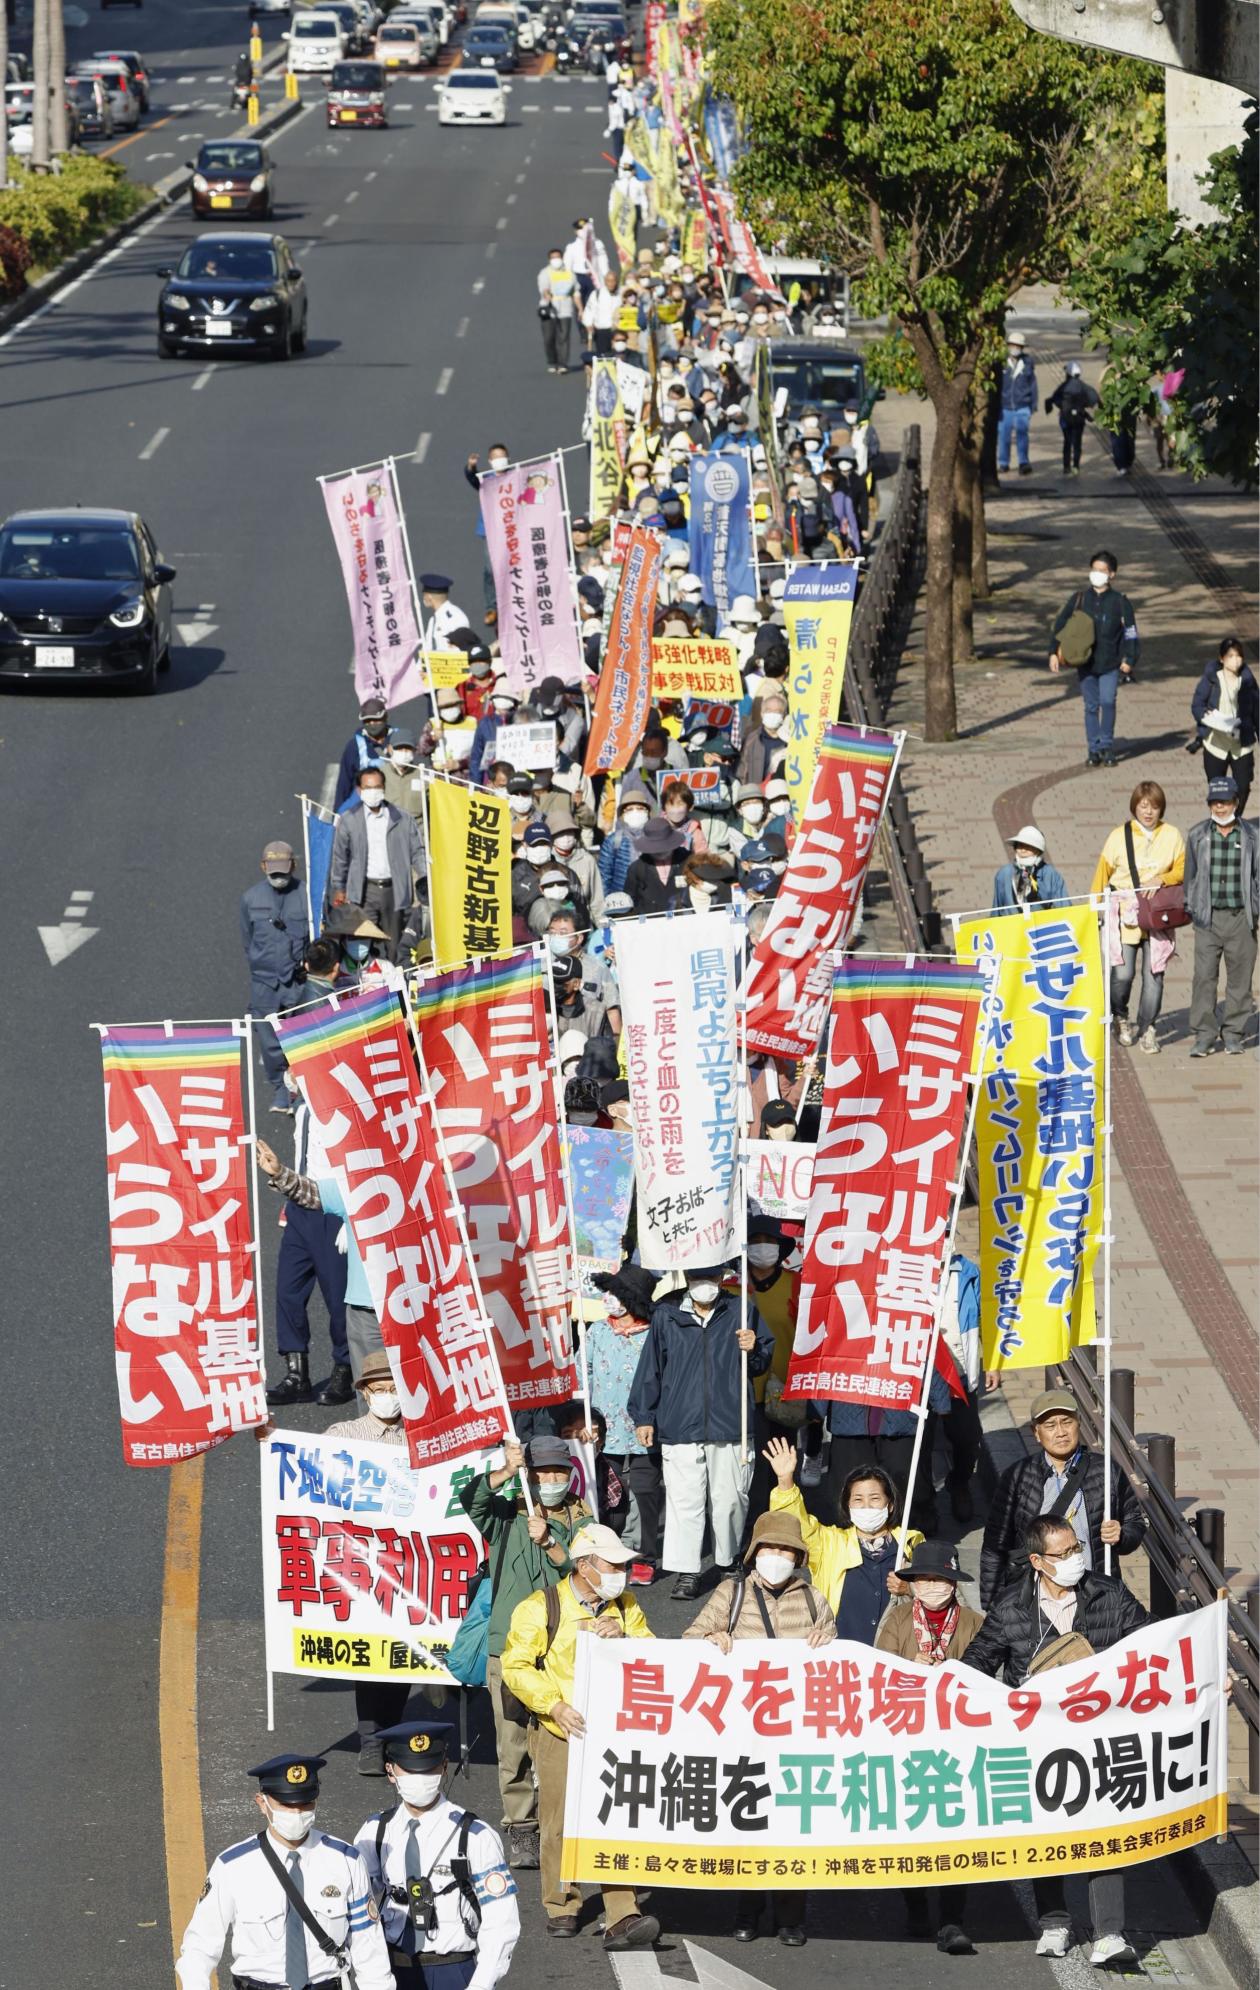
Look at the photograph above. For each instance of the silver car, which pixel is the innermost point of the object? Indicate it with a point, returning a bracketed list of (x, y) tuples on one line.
[(124, 98)]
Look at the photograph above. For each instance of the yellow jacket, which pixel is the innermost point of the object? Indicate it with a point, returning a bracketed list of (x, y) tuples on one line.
[(1160, 856), (833, 1551), (539, 1686)]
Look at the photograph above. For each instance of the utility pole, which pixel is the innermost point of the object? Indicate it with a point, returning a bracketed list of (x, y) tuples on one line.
[(39, 114), (4, 76), (57, 76)]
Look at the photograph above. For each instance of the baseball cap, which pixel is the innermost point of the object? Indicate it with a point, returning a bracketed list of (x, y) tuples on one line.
[(596, 1539), (1051, 1400), (282, 853)]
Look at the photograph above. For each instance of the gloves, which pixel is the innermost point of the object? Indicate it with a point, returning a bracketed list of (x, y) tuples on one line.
[(341, 1240)]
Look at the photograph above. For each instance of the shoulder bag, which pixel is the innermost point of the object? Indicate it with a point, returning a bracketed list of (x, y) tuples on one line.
[(1159, 911)]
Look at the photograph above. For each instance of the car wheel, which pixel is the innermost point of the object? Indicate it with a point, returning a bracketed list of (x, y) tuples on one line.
[(285, 348), (164, 661), (145, 684), (299, 338), (165, 350)]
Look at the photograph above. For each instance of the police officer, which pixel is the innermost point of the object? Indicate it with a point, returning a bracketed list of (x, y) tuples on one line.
[(443, 615), (309, 1253), (298, 1905), (448, 1899), (275, 930)]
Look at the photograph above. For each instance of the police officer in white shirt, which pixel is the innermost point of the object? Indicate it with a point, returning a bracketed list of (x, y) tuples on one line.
[(443, 615), (297, 1904), (448, 1899)]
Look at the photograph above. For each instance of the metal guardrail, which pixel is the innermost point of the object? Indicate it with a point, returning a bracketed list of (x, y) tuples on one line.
[(1185, 1560)]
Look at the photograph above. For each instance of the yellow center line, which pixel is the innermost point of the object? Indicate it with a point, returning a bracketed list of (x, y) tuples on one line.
[(110, 150), (177, 1695)]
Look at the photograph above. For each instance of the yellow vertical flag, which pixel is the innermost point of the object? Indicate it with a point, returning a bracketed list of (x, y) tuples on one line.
[(818, 613), (608, 437), (470, 872), (1039, 1131)]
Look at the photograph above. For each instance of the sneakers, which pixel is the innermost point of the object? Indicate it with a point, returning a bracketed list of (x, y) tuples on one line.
[(1125, 1030), (811, 1471), (641, 1575), (686, 1589), (1149, 1041), (1094, 760), (633, 1931), (1112, 1949), (1202, 1048), (1234, 1046), (522, 1846), (1025, 469), (1055, 1942), (953, 1940)]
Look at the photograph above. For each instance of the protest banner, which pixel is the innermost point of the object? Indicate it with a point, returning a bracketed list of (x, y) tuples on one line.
[(623, 221), (885, 1176), (365, 515), (1039, 1131), (713, 715), (354, 1063), (719, 529), (780, 1174), (685, 667), (485, 1051), (677, 984), (608, 438), (789, 990), (366, 1561), (319, 826), (775, 1766), (768, 427), (818, 613), (601, 1175), (527, 747), (625, 678), (470, 872), (522, 510), (447, 668), (181, 1238)]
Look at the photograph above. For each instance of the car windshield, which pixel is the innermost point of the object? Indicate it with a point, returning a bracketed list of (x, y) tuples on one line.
[(81, 89), (117, 55), (487, 38), (315, 30), (230, 262), (827, 383), (471, 79), (399, 32), (230, 159), (67, 552), (356, 76)]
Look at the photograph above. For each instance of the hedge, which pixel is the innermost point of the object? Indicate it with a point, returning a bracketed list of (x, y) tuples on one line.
[(56, 213)]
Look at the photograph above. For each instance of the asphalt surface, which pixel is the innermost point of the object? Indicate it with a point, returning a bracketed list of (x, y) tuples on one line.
[(420, 248)]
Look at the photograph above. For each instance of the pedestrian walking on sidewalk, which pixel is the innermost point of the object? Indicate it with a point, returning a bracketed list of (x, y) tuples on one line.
[(1030, 878), (1073, 399), (1101, 655), (1223, 899), (1019, 398), (1226, 713), (1141, 855), (557, 292)]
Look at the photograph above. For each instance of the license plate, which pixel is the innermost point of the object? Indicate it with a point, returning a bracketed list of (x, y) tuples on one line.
[(218, 328), (351, 117), (220, 200), (47, 657)]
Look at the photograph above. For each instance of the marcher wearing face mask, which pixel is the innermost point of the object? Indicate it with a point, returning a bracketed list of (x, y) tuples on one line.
[(1030, 878), (655, 881), (365, 748), (501, 711), (528, 1552), (1223, 900), (569, 850), (1018, 402), (557, 889), (404, 783), (656, 760), (557, 300), (378, 862), (275, 929), (247, 1898), (769, 1596), (853, 1564), (773, 1291), (437, 1870), (613, 1346), (619, 850), (1032, 1625), (686, 1397), (1111, 659), (1062, 1477), (539, 1662), (765, 745)]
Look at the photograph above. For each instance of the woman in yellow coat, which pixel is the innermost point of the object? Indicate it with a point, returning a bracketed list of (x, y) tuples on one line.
[(851, 1564), (1141, 855)]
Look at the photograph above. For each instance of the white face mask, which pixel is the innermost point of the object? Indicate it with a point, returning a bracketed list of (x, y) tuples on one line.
[(611, 1585), (537, 854), (705, 1291), (372, 797), (561, 943), (556, 892), (775, 1568), (676, 812), (564, 846), (520, 804), (869, 1519), (384, 1404), (763, 1255), (503, 707), (635, 819), (422, 1791), (1099, 577), (498, 462), (553, 1492), (753, 816), (933, 1595), (403, 759), (1025, 859), (291, 1825), (781, 808), (614, 1308), (1069, 1569)]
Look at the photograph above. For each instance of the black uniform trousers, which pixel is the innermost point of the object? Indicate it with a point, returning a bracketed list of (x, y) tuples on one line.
[(309, 1255)]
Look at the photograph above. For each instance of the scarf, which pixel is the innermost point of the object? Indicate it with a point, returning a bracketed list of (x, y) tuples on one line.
[(933, 1630)]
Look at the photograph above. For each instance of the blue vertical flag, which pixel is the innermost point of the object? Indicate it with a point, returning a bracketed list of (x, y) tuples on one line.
[(318, 828), (720, 528)]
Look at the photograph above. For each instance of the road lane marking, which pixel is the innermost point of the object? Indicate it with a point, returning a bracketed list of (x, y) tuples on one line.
[(501, 222), (444, 379), (490, 248), (368, 179), (535, 108), (352, 196), (479, 285), (520, 179), (184, 1828), (148, 132), (185, 79), (510, 201), (202, 378), (154, 444), (332, 221), (63, 940), (421, 449), (461, 328), (562, 110), (328, 787)]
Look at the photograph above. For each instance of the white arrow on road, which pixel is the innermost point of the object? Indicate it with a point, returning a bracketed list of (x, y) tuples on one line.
[(638, 1969), (63, 940), (199, 629)]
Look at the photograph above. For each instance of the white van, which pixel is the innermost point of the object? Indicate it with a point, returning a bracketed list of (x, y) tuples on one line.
[(317, 42)]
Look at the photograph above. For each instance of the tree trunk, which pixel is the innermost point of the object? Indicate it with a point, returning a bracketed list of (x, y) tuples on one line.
[(4, 71), (961, 606), (60, 135), (940, 713), (39, 112), (981, 587)]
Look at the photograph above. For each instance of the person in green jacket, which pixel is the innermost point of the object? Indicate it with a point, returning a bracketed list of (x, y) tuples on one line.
[(528, 1551)]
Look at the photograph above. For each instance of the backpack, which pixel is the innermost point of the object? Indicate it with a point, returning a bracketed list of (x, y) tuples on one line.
[(461, 1868), (514, 1709), (1074, 401), (1078, 636)]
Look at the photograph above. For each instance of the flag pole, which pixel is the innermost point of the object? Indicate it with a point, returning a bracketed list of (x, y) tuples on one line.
[(252, 1141), (563, 1118), (1104, 948), (741, 1162)]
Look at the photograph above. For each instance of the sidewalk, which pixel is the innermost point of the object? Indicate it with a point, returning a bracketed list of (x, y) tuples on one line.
[(1184, 1300)]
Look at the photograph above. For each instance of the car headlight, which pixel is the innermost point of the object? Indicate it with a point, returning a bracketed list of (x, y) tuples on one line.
[(258, 183), (174, 302), (200, 182), (130, 615), (268, 303)]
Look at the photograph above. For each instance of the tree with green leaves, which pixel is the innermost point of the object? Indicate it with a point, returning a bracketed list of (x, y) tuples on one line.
[(935, 152)]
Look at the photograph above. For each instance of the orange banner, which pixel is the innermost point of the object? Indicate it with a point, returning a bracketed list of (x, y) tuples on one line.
[(625, 679)]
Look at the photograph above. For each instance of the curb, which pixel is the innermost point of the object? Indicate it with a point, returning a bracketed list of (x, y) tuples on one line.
[(167, 191)]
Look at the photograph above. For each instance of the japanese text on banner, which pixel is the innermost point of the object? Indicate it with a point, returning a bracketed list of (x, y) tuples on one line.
[(366, 1562), (686, 668), (608, 437), (470, 872), (181, 1240), (818, 612), (720, 528), (522, 510), (1039, 1132), (781, 1766), (356, 1069), (365, 514), (677, 982), (894, 1102), (625, 679), (486, 1050), (789, 991)]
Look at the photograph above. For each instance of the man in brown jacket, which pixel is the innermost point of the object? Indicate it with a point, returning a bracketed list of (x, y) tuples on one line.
[(932, 1626), (772, 1597)]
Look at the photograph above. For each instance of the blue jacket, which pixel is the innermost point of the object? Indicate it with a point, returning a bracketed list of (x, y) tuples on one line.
[(687, 1382), (483, 754), (360, 752), (1019, 389), (274, 951), (616, 854), (1051, 887), (1207, 697)]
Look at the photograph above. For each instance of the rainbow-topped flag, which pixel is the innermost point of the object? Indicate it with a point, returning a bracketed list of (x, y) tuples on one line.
[(921, 975), (841, 743), (324, 1027), (188, 1046), (488, 981)]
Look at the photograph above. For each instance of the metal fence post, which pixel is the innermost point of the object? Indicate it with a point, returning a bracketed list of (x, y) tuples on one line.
[(1161, 1452), (1253, 1733), (1209, 1525), (1122, 1394)]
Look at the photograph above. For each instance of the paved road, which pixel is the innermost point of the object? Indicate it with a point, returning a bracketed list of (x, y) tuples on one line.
[(420, 248)]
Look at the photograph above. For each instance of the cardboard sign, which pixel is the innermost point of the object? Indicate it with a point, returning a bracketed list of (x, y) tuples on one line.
[(529, 747)]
